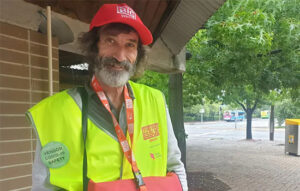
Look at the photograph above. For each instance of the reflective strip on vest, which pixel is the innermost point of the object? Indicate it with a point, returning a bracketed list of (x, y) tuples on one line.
[(58, 118)]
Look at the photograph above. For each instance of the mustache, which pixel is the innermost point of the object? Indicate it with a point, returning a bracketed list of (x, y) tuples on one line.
[(111, 61)]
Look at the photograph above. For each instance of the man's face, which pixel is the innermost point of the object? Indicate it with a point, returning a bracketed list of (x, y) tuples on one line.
[(116, 57)]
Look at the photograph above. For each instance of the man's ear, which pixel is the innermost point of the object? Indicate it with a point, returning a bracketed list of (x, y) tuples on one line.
[(99, 38), (142, 63), (98, 44)]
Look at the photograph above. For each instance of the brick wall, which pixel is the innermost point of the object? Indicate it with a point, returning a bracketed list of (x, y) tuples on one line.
[(23, 83)]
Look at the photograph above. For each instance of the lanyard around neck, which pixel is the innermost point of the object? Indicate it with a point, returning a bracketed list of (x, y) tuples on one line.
[(130, 128)]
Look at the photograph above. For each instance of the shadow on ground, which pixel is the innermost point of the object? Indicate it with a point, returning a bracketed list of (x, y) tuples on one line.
[(205, 181)]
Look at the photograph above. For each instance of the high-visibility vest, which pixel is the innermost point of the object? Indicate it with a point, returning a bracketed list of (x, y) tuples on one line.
[(58, 118)]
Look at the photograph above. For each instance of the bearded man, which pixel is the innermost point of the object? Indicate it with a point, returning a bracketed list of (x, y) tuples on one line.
[(112, 129)]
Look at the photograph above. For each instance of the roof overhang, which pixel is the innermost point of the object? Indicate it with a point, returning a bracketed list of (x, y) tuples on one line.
[(172, 22)]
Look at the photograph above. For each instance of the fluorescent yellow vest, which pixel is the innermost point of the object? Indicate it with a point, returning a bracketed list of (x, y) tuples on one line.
[(58, 118)]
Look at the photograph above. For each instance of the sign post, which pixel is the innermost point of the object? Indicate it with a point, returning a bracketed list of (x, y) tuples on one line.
[(202, 112), (236, 116)]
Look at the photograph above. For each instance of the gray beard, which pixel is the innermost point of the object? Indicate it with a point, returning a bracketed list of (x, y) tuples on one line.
[(111, 77)]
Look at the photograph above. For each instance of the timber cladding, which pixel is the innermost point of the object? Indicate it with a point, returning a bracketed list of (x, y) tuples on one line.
[(23, 83)]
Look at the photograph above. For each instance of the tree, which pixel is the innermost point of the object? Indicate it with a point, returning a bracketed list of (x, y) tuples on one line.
[(289, 107), (156, 80), (272, 98), (248, 49)]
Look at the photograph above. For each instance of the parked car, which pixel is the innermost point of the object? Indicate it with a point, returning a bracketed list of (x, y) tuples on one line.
[(231, 115)]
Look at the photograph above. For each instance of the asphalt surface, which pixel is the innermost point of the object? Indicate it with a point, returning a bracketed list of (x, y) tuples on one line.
[(232, 130), (219, 158)]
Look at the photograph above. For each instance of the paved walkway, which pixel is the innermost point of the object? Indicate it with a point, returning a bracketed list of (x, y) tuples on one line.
[(219, 162)]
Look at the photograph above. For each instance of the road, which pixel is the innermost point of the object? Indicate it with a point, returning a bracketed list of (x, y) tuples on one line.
[(231, 130), (219, 158)]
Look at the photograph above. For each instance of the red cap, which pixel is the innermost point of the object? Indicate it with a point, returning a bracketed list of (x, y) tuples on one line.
[(121, 13)]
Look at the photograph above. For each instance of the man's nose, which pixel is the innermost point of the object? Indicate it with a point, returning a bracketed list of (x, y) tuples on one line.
[(120, 55)]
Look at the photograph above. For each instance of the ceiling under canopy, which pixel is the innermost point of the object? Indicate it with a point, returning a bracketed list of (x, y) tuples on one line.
[(154, 13)]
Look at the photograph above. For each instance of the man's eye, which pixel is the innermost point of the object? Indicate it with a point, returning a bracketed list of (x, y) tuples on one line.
[(110, 41), (131, 45)]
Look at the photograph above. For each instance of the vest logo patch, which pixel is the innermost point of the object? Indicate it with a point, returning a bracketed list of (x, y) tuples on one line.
[(155, 155), (55, 155), (150, 131), (127, 12), (152, 156)]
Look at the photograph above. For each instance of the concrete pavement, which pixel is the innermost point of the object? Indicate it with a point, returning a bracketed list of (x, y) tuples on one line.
[(220, 158)]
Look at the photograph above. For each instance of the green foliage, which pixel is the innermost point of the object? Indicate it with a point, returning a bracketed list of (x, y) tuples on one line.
[(248, 53), (287, 109), (156, 80), (211, 112), (249, 49)]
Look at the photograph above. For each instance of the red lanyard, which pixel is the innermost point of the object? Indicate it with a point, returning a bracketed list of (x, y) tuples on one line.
[(130, 128)]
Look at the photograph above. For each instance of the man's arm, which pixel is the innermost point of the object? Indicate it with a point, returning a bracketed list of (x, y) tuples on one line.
[(174, 155), (40, 173)]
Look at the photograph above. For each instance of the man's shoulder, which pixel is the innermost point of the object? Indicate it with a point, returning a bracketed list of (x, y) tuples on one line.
[(59, 95), (141, 87), (142, 90), (58, 98)]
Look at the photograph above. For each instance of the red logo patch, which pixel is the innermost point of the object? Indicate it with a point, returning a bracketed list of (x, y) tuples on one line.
[(150, 131), (126, 12), (152, 156)]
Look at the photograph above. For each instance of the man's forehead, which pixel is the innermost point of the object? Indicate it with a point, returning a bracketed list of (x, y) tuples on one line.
[(116, 29)]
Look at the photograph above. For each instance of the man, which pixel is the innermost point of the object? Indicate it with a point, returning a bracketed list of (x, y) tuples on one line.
[(116, 108)]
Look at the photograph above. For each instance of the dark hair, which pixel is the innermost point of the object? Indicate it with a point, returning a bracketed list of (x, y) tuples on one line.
[(88, 43)]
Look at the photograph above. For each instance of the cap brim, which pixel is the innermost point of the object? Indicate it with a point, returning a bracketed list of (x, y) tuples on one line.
[(143, 32)]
